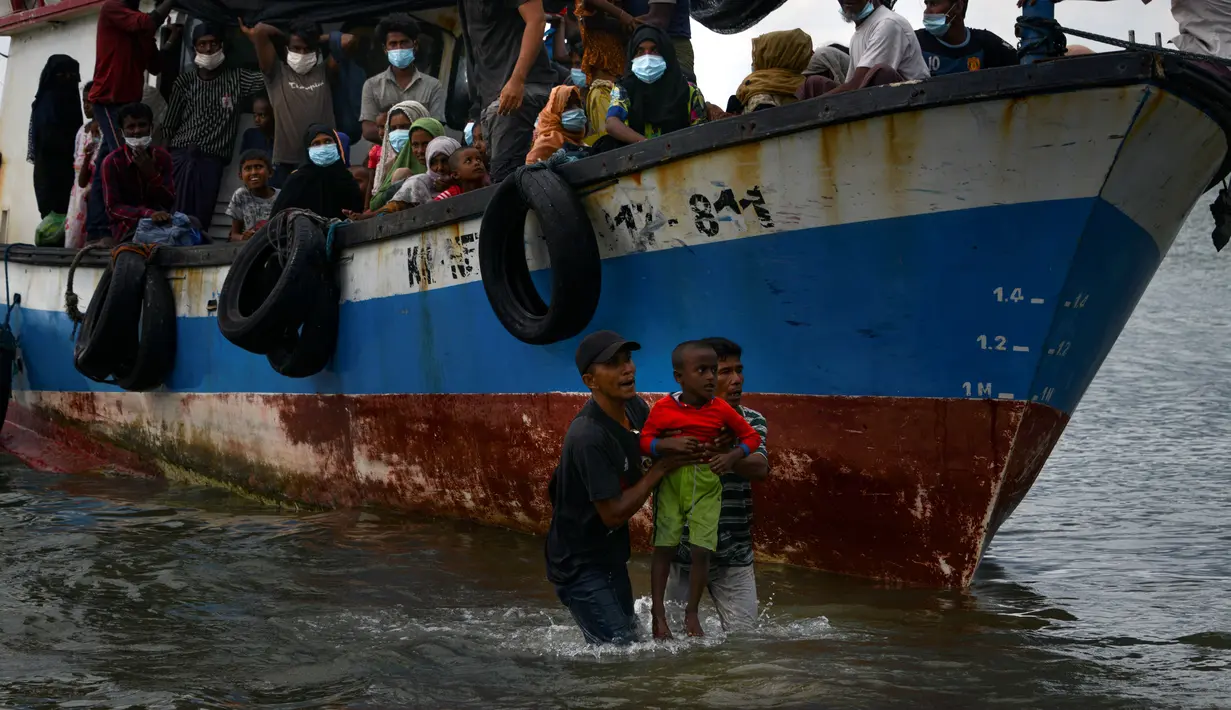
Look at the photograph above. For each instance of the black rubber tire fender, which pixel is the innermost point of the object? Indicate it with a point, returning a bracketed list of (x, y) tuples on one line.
[(108, 335), (154, 356), (307, 350), (261, 299), (8, 353), (576, 266)]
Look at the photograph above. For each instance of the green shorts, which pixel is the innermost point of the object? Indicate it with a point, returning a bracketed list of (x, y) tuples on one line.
[(689, 495)]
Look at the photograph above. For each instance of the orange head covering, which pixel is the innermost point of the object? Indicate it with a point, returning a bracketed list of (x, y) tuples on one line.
[(550, 134)]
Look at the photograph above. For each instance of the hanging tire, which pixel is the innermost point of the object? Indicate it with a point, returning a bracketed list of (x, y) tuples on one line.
[(8, 353), (108, 335), (264, 296), (154, 353), (576, 268), (307, 350)]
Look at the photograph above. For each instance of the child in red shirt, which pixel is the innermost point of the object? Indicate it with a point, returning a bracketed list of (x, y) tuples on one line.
[(382, 119), (468, 173), (690, 494)]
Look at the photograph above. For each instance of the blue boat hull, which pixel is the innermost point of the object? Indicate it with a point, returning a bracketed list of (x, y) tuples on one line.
[(923, 296)]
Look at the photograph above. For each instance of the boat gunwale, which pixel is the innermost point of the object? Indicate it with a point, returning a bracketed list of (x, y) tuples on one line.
[(1208, 93)]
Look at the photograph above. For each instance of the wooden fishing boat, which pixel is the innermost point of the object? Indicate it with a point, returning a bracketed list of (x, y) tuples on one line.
[(925, 278)]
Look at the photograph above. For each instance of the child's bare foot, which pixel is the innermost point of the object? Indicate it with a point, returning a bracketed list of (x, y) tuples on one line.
[(692, 623), (662, 632)]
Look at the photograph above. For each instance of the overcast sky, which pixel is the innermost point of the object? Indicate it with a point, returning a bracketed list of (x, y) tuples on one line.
[(724, 60)]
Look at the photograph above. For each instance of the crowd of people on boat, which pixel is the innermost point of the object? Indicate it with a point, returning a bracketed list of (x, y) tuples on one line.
[(606, 73)]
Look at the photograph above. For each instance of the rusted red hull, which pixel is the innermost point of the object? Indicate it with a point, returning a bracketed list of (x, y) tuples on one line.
[(906, 490)]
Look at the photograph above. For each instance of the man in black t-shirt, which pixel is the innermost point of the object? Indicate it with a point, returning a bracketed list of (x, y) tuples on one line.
[(597, 487), (507, 65), (949, 47)]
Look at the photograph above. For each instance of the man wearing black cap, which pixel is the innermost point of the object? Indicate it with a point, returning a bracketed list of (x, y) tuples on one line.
[(202, 119), (597, 487)]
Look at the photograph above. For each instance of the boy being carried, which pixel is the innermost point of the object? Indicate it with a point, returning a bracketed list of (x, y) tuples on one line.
[(691, 494), (251, 204)]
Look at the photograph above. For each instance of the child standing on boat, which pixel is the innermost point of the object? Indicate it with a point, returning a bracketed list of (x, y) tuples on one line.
[(690, 495), (251, 204)]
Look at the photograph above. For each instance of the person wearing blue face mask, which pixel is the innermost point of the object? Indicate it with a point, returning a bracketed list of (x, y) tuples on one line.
[(562, 122), (652, 98), (323, 183), (884, 49), (398, 35), (674, 17), (950, 47)]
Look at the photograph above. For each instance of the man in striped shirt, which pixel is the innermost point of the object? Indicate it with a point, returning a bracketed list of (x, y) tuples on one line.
[(732, 581), (202, 120)]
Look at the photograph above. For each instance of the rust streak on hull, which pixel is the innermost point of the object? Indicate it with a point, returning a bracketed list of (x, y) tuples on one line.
[(904, 490)]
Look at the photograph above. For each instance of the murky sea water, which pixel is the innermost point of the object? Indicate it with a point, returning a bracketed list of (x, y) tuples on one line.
[(1110, 586)]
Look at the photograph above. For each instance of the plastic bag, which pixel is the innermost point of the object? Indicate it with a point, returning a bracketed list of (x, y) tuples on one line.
[(50, 232), (731, 16), (179, 233)]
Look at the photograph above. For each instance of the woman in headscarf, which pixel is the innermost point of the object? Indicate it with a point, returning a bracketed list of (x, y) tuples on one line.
[(561, 120), (653, 97), (398, 125), (323, 183), (827, 69), (55, 117), (411, 160), (420, 189), (778, 62)]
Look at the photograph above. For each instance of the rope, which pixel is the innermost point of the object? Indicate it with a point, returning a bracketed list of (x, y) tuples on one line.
[(8, 301), (280, 235), (1048, 41), (71, 300), (333, 227), (145, 251)]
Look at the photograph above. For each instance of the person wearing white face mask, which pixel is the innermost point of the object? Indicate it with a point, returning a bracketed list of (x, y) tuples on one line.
[(398, 36), (298, 86), (950, 47), (884, 49), (202, 121), (137, 179), (124, 51), (652, 98)]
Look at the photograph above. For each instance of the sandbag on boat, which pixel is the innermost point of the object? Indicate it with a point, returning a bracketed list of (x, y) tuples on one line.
[(576, 267), (271, 286)]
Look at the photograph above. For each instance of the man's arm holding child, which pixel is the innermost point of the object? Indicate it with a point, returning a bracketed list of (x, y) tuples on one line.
[(747, 437), (619, 510), (601, 477)]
